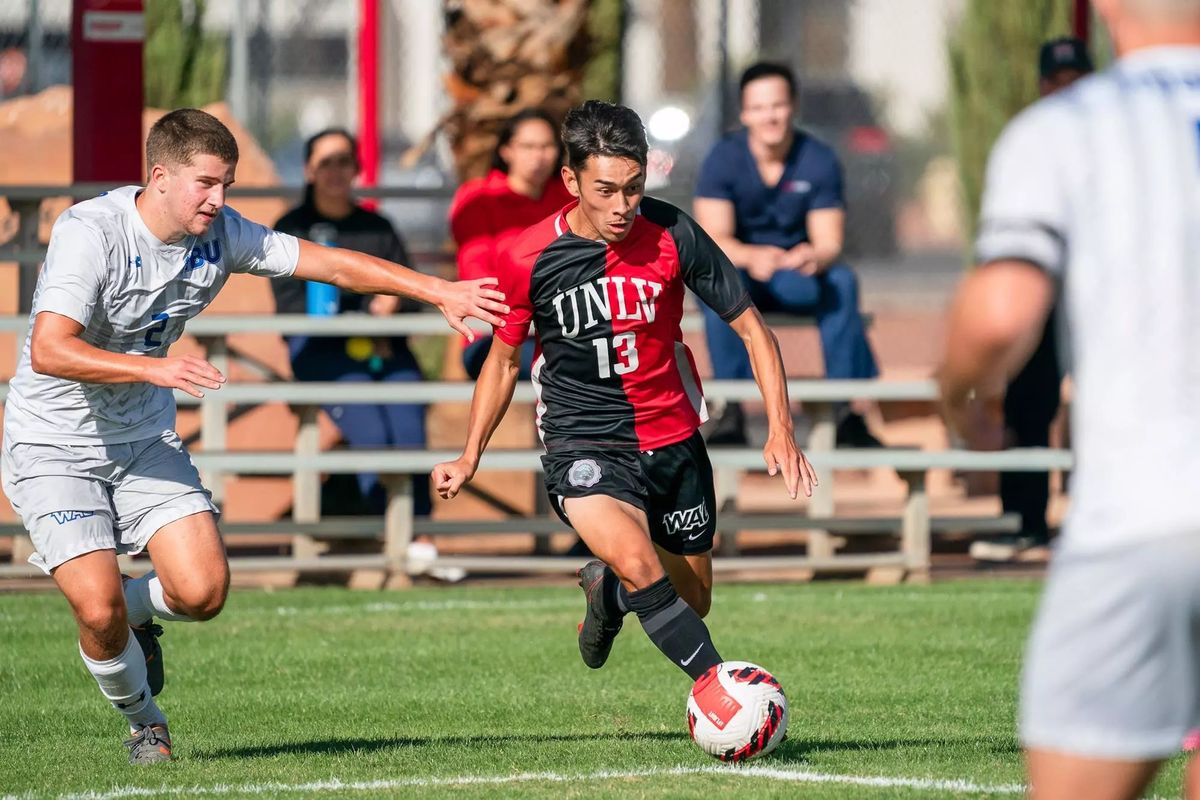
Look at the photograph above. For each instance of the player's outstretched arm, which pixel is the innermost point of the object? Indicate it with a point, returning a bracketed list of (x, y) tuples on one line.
[(364, 274), (780, 452), (56, 349), (493, 393), (996, 319)]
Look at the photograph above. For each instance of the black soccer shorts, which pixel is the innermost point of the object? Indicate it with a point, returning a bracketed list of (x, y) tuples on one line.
[(673, 485)]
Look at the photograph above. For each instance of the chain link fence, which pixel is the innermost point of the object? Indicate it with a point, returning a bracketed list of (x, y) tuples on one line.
[(35, 46), (872, 84)]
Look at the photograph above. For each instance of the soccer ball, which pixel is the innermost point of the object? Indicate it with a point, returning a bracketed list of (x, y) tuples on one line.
[(737, 711)]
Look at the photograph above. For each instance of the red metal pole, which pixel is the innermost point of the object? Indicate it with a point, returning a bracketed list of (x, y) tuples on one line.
[(1081, 21), (368, 94), (106, 70)]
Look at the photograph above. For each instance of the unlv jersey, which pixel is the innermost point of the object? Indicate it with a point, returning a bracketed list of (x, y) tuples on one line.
[(612, 368)]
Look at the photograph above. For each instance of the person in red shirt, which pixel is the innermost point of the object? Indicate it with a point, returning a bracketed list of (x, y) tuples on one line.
[(619, 402), (488, 213)]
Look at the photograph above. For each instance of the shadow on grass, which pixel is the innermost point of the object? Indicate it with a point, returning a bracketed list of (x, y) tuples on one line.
[(363, 745), (800, 750), (796, 751)]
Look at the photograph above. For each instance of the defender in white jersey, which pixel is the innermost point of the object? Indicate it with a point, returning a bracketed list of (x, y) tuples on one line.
[(1095, 192), (90, 458)]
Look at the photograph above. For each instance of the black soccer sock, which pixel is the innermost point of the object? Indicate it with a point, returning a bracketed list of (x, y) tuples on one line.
[(616, 596), (674, 627)]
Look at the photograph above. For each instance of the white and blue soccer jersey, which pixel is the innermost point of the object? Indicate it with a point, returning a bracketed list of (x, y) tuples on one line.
[(132, 293), (1099, 184)]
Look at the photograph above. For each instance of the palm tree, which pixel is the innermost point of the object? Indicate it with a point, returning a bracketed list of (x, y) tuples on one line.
[(508, 55), (184, 66), (993, 75)]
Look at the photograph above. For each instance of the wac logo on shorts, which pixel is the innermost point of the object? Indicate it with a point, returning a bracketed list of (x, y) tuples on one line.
[(584, 473), (689, 519), (63, 517)]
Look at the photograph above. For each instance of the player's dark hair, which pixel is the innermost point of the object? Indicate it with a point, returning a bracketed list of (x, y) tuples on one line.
[(310, 144), (185, 133), (509, 130), (767, 69), (597, 128)]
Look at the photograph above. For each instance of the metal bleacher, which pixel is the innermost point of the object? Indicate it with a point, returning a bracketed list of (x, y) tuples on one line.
[(913, 528)]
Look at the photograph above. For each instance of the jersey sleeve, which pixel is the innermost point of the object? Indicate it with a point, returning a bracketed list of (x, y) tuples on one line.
[(73, 274), (717, 178), (514, 280), (707, 271), (828, 189), (1023, 214), (257, 249)]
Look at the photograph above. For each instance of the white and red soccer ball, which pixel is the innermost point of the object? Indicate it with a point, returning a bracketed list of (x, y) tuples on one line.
[(737, 711)]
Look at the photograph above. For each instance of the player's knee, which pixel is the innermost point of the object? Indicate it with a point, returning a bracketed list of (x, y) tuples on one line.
[(638, 571), (203, 601), (103, 619)]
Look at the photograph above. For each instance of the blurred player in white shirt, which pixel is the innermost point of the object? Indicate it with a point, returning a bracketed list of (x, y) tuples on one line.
[(90, 458), (1094, 193)]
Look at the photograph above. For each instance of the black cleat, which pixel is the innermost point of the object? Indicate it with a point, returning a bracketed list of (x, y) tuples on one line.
[(150, 744), (599, 626), (147, 636)]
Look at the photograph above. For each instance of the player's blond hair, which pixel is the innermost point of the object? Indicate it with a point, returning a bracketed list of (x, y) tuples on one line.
[(185, 133)]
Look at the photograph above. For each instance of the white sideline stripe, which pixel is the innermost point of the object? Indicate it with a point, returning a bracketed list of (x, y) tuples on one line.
[(960, 786)]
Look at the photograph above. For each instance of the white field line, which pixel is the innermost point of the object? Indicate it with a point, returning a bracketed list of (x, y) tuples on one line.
[(958, 786)]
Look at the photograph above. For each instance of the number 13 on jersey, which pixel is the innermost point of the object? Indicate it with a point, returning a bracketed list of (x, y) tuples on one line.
[(624, 345)]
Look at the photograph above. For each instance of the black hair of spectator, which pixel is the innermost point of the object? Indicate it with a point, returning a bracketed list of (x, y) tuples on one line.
[(510, 129), (310, 144), (767, 69), (597, 128)]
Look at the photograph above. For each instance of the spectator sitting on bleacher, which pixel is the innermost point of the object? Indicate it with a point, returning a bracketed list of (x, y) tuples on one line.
[(771, 196), (523, 188), (329, 215)]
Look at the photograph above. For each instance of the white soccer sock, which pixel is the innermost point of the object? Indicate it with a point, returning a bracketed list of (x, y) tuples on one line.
[(123, 681), (144, 599)]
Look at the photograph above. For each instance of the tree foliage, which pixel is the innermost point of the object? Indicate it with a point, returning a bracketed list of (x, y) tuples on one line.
[(184, 66), (993, 75)]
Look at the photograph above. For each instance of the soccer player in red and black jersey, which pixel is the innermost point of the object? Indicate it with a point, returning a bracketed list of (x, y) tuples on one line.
[(619, 402)]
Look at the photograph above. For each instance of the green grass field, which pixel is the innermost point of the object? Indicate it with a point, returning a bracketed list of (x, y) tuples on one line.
[(894, 693)]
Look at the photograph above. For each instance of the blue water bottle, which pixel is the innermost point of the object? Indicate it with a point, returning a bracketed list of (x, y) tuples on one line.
[(322, 299)]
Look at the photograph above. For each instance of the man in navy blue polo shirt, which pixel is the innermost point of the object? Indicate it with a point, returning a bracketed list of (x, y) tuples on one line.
[(771, 196)]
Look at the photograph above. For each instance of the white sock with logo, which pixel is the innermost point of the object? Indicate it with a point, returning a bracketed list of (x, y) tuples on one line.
[(123, 681), (144, 599)]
